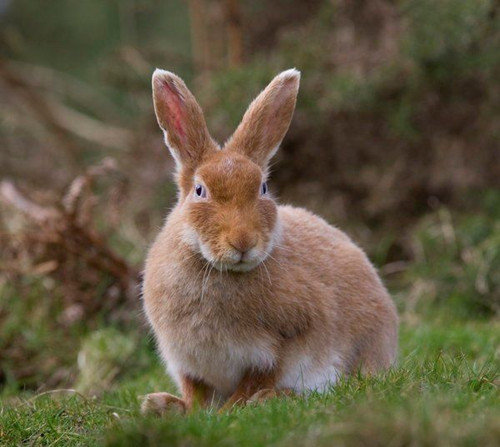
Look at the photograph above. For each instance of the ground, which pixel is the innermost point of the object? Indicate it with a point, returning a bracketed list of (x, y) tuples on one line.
[(444, 391)]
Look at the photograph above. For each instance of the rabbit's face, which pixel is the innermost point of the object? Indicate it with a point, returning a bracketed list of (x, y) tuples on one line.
[(231, 218)]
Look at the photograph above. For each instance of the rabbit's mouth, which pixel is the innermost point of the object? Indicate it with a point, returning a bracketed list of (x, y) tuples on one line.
[(240, 266), (226, 258), (237, 263), (232, 260)]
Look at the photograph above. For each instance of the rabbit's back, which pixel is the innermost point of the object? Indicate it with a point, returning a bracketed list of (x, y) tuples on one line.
[(355, 320)]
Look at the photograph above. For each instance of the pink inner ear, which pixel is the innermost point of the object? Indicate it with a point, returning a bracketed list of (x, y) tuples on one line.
[(176, 110)]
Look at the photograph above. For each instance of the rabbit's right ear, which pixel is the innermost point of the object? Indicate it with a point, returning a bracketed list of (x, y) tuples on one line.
[(182, 120), (267, 119)]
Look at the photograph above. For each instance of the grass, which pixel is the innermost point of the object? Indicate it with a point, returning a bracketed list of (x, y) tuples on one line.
[(443, 392)]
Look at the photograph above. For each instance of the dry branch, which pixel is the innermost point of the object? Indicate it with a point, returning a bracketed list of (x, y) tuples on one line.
[(14, 197), (62, 121), (90, 129), (64, 244)]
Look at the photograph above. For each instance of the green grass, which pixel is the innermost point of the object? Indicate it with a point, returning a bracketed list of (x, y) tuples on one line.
[(444, 391)]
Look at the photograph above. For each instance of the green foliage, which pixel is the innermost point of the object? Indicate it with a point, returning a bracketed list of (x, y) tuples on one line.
[(104, 353), (458, 259), (33, 343), (450, 38), (229, 94), (78, 37)]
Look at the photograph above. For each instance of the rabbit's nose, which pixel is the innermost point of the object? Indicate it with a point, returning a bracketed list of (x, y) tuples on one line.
[(243, 242)]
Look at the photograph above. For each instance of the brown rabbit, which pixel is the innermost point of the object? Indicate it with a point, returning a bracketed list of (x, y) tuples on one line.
[(249, 299)]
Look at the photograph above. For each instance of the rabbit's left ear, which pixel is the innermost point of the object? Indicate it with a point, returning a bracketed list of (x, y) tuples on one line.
[(267, 119), (182, 120)]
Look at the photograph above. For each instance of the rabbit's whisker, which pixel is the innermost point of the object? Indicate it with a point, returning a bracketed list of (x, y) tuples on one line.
[(201, 270), (281, 247), (193, 255), (267, 272), (205, 280), (205, 270), (274, 259)]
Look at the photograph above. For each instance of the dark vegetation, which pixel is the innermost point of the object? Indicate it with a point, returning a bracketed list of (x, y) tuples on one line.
[(396, 139)]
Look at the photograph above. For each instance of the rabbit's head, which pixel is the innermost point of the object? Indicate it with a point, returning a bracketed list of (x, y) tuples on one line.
[(229, 215)]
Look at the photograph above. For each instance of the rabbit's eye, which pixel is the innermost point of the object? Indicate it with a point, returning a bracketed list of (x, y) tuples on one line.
[(200, 191), (263, 188)]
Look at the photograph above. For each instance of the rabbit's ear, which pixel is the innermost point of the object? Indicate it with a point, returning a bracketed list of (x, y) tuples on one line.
[(181, 118), (267, 119)]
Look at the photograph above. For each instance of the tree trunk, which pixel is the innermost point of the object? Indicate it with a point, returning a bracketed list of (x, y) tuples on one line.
[(234, 33)]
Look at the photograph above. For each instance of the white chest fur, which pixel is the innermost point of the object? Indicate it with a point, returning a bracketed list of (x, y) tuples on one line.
[(221, 364), (205, 330)]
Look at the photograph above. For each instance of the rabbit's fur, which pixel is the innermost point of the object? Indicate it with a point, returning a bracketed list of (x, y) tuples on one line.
[(245, 295)]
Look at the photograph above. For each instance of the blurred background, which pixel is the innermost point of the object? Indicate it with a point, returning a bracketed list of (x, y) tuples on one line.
[(396, 139)]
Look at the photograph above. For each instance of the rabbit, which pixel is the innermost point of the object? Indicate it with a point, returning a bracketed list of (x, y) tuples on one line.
[(249, 299)]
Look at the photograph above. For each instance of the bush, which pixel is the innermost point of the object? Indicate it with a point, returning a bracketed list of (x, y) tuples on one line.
[(458, 261)]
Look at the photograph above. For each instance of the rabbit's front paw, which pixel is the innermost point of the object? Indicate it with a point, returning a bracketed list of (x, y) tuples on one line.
[(161, 404)]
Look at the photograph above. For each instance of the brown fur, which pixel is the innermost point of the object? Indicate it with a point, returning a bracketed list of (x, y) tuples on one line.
[(186, 132), (308, 296), (251, 383), (196, 393), (266, 121)]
